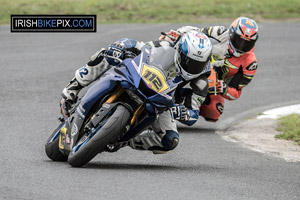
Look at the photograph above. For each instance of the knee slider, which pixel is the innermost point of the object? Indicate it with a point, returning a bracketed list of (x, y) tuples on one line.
[(213, 109), (170, 140)]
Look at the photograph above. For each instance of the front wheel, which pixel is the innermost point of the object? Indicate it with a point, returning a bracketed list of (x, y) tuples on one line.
[(109, 133), (51, 146)]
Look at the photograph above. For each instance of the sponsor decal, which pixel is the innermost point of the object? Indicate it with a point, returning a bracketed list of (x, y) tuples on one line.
[(247, 31), (117, 53), (220, 108), (74, 130), (201, 100), (252, 66), (197, 55), (53, 23), (221, 30), (62, 138)]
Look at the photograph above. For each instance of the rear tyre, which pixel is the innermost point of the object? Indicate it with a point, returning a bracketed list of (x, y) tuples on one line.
[(51, 147), (109, 133)]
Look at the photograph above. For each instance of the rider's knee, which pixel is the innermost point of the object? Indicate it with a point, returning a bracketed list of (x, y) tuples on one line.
[(213, 108), (212, 113), (170, 140)]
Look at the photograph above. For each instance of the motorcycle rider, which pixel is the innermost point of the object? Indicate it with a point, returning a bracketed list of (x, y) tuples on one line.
[(190, 61), (235, 61)]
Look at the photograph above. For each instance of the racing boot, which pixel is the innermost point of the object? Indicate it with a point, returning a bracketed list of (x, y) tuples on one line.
[(158, 143), (69, 97)]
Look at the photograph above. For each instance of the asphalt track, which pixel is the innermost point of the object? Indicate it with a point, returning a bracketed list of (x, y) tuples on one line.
[(35, 67)]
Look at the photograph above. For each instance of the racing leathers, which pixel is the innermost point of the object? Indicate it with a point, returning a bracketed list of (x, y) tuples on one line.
[(233, 73), (163, 135)]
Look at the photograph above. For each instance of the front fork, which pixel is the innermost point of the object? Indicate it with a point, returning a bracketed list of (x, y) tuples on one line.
[(69, 134)]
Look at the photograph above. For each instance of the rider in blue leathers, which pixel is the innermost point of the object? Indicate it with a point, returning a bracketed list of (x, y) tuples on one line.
[(163, 135)]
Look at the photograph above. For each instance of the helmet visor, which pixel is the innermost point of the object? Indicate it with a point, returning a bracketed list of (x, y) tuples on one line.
[(240, 44), (190, 65)]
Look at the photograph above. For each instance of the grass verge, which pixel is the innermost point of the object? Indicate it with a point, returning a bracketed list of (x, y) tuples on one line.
[(290, 127), (156, 11)]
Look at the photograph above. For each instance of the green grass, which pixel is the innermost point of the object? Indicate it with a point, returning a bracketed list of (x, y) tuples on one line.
[(156, 11), (290, 127)]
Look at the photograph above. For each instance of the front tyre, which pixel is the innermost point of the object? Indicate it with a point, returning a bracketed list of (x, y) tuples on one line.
[(109, 133), (51, 146)]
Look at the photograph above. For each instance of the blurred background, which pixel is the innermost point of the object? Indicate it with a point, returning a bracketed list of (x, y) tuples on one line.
[(157, 11)]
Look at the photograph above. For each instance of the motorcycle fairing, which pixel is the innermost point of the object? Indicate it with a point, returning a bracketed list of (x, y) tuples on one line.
[(97, 121), (128, 71), (141, 78), (101, 87)]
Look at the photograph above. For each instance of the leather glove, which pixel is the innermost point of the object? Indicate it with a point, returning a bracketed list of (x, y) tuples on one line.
[(221, 87), (171, 36), (180, 112), (217, 63)]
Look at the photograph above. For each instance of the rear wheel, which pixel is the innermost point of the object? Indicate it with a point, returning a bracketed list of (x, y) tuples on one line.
[(90, 145), (51, 147)]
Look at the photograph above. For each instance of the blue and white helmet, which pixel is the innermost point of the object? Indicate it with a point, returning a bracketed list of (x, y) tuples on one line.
[(193, 54)]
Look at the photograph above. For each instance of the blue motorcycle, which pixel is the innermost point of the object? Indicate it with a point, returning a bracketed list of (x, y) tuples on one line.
[(126, 100)]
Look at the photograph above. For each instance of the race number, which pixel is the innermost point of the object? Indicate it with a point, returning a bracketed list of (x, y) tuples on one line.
[(154, 78)]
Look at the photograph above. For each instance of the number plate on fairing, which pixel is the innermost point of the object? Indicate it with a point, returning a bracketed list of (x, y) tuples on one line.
[(154, 78)]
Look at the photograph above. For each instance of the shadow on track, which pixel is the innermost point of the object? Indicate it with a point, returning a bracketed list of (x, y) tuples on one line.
[(129, 166), (152, 167), (119, 166), (191, 130)]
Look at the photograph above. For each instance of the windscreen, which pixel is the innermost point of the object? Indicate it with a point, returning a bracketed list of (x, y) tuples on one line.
[(163, 58)]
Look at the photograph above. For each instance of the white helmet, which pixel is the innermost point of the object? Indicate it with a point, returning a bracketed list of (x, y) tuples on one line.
[(193, 54)]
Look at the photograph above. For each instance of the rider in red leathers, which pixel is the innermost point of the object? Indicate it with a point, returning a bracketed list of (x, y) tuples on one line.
[(234, 62)]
